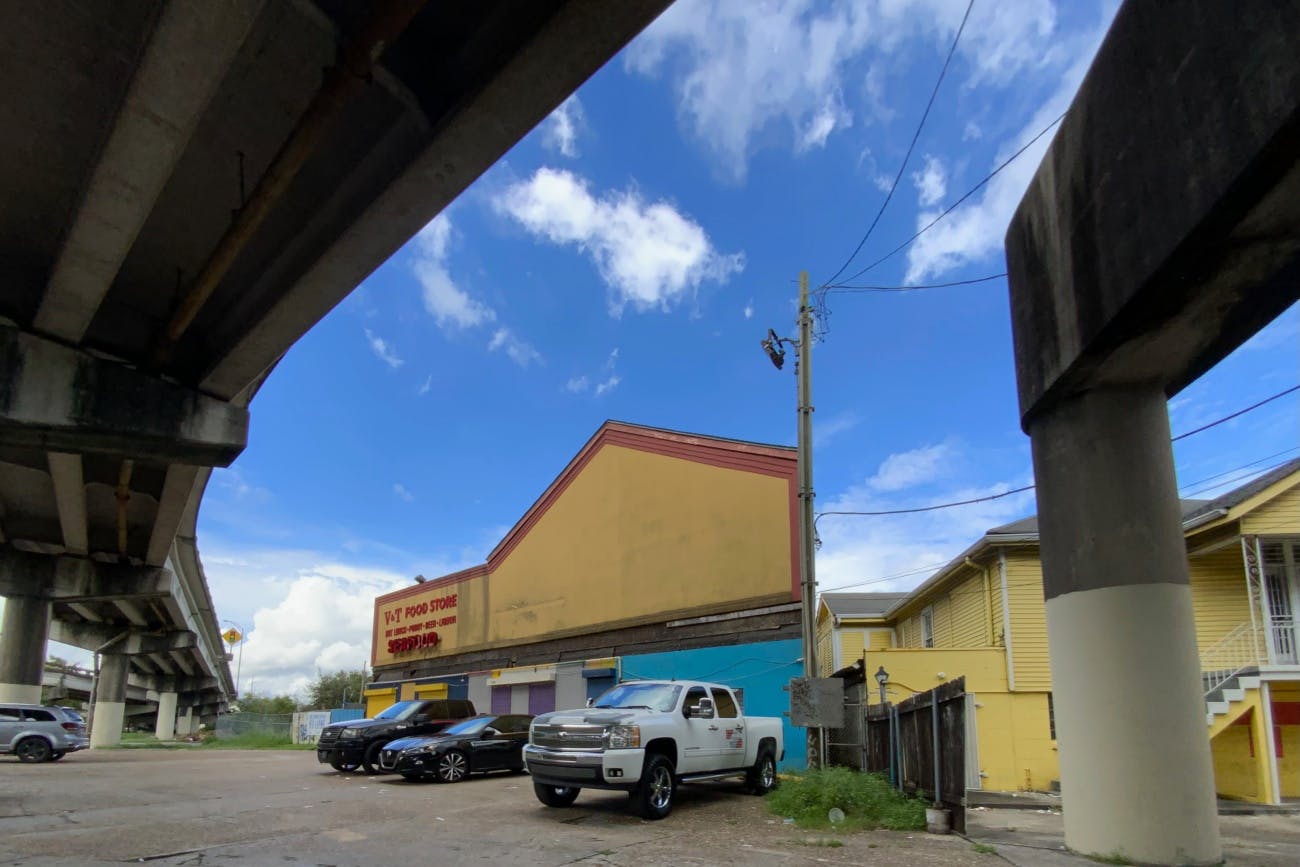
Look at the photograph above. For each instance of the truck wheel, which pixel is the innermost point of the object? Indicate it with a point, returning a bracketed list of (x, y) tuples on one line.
[(761, 778), (654, 794), (55, 756), (342, 766), (370, 761), (33, 750), (556, 796)]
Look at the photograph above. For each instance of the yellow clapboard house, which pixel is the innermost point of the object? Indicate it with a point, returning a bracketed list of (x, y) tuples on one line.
[(982, 616)]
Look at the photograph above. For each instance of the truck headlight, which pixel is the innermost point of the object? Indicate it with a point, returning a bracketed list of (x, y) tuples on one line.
[(350, 733), (622, 737)]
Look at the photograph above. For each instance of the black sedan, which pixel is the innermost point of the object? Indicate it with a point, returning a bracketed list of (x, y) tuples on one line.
[(482, 743)]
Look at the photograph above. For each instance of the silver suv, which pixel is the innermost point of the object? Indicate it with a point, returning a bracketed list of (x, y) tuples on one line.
[(36, 733)]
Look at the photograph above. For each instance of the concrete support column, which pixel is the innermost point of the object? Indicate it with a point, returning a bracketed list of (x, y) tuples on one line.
[(23, 634), (1136, 774), (185, 722), (165, 727), (109, 711)]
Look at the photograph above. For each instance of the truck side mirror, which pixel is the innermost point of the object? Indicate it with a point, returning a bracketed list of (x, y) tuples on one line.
[(419, 719), (703, 709), (590, 702)]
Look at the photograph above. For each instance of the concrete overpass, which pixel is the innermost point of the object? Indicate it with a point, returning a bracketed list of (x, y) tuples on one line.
[(188, 186)]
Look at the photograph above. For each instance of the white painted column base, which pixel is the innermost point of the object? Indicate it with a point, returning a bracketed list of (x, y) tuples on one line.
[(20, 693), (1137, 779), (106, 724), (165, 726)]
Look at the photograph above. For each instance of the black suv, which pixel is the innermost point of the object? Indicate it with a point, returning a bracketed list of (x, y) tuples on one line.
[(356, 743)]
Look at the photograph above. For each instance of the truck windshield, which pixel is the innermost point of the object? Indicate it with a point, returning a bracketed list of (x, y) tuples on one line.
[(652, 696), (401, 710)]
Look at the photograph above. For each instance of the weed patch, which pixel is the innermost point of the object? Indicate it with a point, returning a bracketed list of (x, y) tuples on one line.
[(867, 801)]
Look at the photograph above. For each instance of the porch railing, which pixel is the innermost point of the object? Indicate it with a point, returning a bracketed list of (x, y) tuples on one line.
[(1282, 633), (1242, 648)]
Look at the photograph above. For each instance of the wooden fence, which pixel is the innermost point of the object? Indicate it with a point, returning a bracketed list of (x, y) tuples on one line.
[(921, 744)]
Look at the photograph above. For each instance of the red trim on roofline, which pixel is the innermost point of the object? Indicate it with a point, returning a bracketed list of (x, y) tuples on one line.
[(768, 460)]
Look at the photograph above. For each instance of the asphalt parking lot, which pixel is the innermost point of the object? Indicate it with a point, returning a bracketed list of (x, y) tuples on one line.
[(248, 808), (266, 807)]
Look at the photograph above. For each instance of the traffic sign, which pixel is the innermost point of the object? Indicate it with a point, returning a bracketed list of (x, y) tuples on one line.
[(232, 635)]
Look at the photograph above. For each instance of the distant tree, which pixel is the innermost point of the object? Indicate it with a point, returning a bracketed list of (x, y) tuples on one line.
[(332, 690), (267, 704)]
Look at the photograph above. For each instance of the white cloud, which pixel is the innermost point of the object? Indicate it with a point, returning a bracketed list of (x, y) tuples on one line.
[(519, 351), (825, 430), (931, 182), (912, 468), (383, 350), (450, 306), (580, 384), (425, 386), (976, 230), (742, 69), (972, 132), (649, 254), (749, 310), (403, 493), (560, 130)]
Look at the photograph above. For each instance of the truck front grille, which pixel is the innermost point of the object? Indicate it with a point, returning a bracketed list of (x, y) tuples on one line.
[(328, 736), (578, 737)]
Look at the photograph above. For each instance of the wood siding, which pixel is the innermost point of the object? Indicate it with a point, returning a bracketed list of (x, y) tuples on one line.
[(1029, 656), (960, 616), (1219, 595), (1281, 515)]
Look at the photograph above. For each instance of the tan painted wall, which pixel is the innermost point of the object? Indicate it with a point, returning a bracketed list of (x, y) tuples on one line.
[(636, 537), (1029, 653)]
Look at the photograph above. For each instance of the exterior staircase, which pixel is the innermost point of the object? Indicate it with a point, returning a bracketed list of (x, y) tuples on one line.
[(1230, 699)]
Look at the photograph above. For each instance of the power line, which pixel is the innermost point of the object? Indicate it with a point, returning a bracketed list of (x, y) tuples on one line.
[(1238, 412), (845, 288), (1240, 478), (915, 136), (930, 225), (999, 496), (933, 566)]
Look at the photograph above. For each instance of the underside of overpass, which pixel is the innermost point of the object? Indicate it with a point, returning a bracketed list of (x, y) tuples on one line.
[(187, 187), (1161, 231)]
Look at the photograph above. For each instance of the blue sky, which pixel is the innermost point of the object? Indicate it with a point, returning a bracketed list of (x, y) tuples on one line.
[(623, 262)]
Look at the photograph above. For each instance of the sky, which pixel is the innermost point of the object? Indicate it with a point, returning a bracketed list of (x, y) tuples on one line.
[(623, 261)]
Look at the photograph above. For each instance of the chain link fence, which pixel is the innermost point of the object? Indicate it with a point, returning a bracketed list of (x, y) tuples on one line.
[(236, 724)]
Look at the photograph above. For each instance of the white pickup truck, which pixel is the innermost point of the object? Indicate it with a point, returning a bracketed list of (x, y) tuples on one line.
[(646, 737)]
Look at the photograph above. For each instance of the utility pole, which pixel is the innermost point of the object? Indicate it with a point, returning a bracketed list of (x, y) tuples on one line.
[(807, 549), (774, 345)]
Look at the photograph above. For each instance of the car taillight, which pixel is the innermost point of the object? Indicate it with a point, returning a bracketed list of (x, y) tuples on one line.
[(70, 727)]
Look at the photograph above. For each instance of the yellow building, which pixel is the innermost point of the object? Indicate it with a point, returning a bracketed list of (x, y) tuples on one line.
[(982, 616)]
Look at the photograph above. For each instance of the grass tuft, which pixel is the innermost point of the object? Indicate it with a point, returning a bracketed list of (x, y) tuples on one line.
[(867, 800), (984, 848)]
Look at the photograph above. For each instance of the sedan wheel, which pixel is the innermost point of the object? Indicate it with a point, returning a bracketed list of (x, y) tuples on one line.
[(452, 767)]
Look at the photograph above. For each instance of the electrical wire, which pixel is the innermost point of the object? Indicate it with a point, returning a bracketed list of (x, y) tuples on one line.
[(946, 211), (999, 496), (1237, 413), (915, 136), (846, 289)]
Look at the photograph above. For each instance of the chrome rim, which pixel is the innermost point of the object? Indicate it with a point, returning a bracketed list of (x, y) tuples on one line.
[(768, 776), (661, 788), (452, 767)]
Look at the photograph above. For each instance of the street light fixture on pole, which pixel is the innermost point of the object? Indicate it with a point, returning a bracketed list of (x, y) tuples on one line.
[(773, 346)]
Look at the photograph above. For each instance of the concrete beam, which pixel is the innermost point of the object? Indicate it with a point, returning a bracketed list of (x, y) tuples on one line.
[(161, 683), (566, 49), (130, 609), (66, 578), (70, 498), (187, 57), (135, 642), (177, 487), (65, 400), (1159, 231)]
